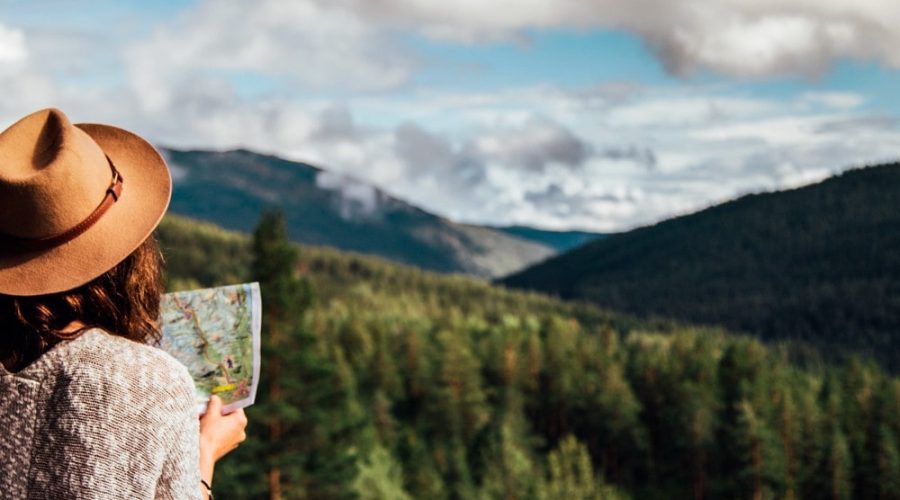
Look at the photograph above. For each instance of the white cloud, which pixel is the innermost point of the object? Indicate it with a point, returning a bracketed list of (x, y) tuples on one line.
[(304, 42), (743, 38), (352, 44), (837, 100), (533, 146), (526, 165), (12, 45), (680, 111), (357, 200)]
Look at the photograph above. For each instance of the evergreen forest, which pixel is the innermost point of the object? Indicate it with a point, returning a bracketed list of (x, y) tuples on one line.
[(382, 381)]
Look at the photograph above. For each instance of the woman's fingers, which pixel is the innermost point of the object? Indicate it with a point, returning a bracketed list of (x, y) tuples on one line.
[(219, 434), (214, 405)]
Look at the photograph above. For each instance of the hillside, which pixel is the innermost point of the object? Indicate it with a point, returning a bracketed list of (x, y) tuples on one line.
[(323, 208), (560, 241), (820, 264), (400, 383), (202, 254)]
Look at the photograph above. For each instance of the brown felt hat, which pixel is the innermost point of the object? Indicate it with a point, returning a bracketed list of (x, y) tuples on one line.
[(75, 200)]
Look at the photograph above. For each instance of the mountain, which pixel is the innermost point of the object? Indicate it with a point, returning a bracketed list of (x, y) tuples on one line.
[(818, 264), (560, 241), (323, 208)]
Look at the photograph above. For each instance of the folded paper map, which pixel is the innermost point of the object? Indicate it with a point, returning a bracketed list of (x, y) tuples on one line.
[(214, 332)]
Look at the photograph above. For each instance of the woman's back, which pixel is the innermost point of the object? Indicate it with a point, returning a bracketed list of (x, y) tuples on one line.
[(98, 417), (91, 414)]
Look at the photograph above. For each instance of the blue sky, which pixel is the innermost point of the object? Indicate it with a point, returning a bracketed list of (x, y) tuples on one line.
[(590, 114)]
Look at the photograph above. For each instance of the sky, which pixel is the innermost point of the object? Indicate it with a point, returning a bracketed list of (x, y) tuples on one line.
[(599, 115)]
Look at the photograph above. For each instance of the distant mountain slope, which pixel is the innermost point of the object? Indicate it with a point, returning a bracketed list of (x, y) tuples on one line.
[(323, 208), (561, 241), (818, 264)]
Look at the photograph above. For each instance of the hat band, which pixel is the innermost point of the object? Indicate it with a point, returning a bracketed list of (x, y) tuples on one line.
[(113, 192)]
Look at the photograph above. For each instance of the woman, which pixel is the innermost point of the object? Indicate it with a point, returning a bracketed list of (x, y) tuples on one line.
[(89, 408)]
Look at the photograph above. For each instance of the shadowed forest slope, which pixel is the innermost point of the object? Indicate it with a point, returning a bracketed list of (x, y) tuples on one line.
[(818, 264)]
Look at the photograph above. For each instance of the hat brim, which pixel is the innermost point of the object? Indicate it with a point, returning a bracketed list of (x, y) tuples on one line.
[(146, 191)]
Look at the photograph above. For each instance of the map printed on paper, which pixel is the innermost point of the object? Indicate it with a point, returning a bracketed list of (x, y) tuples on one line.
[(214, 332)]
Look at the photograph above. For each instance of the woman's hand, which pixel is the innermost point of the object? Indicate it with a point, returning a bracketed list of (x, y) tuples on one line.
[(219, 434)]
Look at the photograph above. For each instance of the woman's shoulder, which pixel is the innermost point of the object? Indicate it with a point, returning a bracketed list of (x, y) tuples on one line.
[(116, 405), (96, 349), (119, 368)]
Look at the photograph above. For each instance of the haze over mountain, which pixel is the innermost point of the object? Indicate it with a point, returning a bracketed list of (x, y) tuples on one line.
[(324, 208), (819, 264), (559, 240)]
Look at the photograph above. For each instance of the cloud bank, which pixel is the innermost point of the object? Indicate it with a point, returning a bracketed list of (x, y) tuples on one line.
[(334, 83), (743, 38), (354, 43)]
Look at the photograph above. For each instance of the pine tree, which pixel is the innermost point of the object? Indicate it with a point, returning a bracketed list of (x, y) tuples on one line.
[(509, 473), (309, 452), (838, 467), (507, 465), (887, 453), (608, 414), (811, 443), (887, 458), (380, 477), (458, 403), (785, 426), (570, 475), (382, 372), (759, 467), (834, 476), (552, 406), (859, 382), (454, 466), (422, 477)]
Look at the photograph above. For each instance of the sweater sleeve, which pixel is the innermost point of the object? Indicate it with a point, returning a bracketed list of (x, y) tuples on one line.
[(180, 477)]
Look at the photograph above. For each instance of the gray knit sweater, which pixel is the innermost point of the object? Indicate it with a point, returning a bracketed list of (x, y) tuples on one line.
[(99, 417)]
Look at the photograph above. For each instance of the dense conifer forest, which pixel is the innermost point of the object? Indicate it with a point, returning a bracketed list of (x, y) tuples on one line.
[(818, 265), (386, 382)]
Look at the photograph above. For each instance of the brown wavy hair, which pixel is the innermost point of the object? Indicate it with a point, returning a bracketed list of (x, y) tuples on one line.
[(124, 301)]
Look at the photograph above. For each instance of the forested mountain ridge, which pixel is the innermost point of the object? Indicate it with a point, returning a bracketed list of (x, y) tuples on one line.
[(324, 208), (399, 383), (820, 264)]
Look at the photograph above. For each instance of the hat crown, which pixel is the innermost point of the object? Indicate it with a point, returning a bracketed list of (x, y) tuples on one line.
[(52, 175)]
